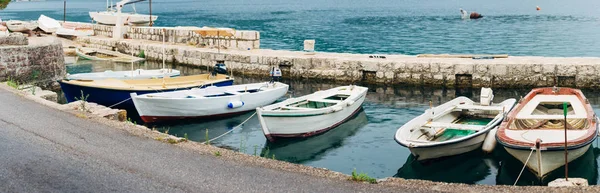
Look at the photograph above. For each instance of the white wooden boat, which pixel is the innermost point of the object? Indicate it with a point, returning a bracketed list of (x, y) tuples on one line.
[(207, 102), (75, 29), (110, 18), (135, 74), (48, 24), (311, 114), (20, 26), (105, 55), (536, 127), (453, 128)]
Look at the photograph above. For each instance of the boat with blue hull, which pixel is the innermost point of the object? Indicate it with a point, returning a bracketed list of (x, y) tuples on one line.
[(116, 93)]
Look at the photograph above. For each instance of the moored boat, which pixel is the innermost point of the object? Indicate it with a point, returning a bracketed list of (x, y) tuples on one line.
[(206, 102), (534, 131), (105, 55), (311, 114), (75, 29), (135, 74), (455, 127), (114, 92)]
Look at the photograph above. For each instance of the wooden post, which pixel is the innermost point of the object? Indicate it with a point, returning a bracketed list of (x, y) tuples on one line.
[(566, 152), (150, 4)]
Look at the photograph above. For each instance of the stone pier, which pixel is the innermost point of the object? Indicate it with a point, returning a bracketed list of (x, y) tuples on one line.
[(34, 60), (511, 72)]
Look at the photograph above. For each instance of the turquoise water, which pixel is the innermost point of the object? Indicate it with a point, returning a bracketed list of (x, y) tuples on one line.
[(561, 28), (365, 142)]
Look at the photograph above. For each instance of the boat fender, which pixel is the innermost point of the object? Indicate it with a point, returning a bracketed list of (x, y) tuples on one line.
[(350, 102), (490, 141), (337, 108), (235, 104)]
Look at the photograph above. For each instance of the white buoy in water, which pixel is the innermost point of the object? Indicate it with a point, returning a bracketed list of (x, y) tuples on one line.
[(490, 141)]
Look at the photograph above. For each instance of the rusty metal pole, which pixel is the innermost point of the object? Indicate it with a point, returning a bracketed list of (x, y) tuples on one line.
[(150, 4), (566, 152), (65, 11)]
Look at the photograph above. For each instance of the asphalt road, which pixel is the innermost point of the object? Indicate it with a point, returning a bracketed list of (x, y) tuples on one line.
[(46, 150)]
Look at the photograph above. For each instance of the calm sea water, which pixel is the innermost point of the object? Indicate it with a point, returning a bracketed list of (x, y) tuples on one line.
[(365, 142), (561, 28)]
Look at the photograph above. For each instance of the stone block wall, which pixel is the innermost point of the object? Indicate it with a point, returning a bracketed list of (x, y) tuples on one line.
[(512, 72), (41, 61), (242, 40)]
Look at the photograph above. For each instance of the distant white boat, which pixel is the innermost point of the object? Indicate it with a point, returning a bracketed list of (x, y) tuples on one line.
[(105, 55), (109, 17), (455, 127), (48, 24), (135, 74), (75, 29), (20, 26), (311, 114), (207, 102)]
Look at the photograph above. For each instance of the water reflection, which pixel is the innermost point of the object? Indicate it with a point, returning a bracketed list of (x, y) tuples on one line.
[(312, 148), (450, 169)]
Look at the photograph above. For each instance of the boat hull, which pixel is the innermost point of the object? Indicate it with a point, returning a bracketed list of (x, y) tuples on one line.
[(432, 152), (309, 125), (110, 97), (153, 109), (137, 74), (550, 160)]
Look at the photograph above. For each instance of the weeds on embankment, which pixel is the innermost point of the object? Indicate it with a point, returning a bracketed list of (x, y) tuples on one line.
[(362, 177)]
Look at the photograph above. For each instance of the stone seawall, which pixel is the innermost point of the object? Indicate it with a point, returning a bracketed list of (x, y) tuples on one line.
[(242, 39), (509, 72), (42, 60)]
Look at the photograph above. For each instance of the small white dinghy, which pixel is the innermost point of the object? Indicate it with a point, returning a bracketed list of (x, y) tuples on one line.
[(453, 128), (311, 114), (48, 24), (207, 102), (135, 74), (534, 132), (3, 31), (20, 26)]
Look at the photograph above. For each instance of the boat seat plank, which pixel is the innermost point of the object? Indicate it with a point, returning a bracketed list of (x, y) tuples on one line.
[(417, 141), (296, 108), (454, 126), (480, 107), (325, 101)]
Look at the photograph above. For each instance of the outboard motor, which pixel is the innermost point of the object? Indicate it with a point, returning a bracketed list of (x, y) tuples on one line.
[(487, 96), (219, 68)]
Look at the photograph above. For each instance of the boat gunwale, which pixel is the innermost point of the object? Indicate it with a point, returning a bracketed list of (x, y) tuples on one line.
[(313, 112), (592, 128), (276, 88), (457, 140)]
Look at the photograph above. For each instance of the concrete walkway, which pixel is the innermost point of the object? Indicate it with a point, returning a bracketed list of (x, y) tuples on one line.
[(46, 150)]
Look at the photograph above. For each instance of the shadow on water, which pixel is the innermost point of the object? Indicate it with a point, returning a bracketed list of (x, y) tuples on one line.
[(583, 167), (448, 169), (308, 149)]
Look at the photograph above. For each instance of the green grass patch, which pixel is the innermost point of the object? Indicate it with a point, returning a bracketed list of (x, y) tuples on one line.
[(362, 177)]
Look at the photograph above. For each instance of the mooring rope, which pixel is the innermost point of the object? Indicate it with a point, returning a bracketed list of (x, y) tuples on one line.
[(230, 130), (525, 165), (110, 107)]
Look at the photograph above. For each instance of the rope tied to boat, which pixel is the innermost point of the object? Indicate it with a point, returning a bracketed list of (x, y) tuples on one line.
[(232, 129), (524, 165), (119, 103)]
